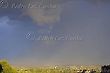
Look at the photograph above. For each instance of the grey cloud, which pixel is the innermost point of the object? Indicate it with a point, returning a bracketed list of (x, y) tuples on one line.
[(40, 11), (98, 1)]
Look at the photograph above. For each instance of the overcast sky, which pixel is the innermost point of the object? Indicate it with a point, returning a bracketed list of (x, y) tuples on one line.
[(78, 32)]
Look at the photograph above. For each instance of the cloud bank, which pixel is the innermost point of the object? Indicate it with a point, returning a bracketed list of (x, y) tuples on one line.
[(44, 16), (44, 12)]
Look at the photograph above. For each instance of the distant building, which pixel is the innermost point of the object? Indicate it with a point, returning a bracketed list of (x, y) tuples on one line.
[(105, 69)]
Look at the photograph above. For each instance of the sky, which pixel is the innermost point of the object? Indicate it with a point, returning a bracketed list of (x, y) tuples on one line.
[(55, 32)]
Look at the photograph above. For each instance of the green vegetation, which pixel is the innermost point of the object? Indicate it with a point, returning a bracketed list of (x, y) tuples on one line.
[(7, 67)]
